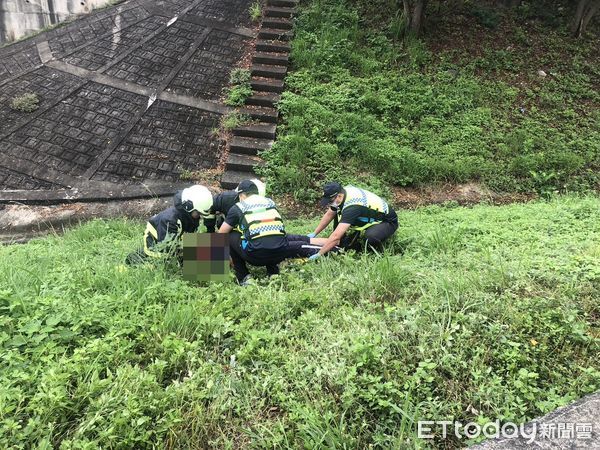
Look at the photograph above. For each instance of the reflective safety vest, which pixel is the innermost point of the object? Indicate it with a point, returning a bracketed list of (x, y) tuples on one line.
[(261, 218), (361, 197)]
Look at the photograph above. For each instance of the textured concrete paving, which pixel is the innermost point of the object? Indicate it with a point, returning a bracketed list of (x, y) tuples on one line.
[(130, 97), (576, 426)]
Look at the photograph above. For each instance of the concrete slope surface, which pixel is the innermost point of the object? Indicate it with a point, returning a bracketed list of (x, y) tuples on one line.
[(130, 97)]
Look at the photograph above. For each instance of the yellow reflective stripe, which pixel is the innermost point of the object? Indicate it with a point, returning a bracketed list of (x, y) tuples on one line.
[(362, 197), (364, 227), (268, 233), (260, 216), (150, 230)]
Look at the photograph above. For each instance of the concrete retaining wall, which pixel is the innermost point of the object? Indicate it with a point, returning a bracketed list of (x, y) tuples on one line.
[(19, 18)]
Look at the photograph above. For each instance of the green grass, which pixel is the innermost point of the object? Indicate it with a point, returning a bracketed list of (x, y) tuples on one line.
[(465, 104), (489, 309)]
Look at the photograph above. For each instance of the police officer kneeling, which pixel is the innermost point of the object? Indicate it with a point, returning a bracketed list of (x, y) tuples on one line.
[(263, 240), (362, 220)]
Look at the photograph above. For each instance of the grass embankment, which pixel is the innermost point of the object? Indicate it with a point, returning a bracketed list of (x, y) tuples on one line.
[(466, 103), (489, 312)]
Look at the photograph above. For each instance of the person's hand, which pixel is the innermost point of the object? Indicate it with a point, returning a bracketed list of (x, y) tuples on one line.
[(311, 235), (315, 256)]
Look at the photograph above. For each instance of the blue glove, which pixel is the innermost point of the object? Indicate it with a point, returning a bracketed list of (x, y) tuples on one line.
[(313, 257), (311, 235)]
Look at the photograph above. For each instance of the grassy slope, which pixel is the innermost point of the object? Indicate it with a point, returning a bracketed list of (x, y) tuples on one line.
[(490, 312), (466, 103)]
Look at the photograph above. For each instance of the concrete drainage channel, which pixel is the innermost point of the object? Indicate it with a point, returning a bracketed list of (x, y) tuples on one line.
[(269, 68)]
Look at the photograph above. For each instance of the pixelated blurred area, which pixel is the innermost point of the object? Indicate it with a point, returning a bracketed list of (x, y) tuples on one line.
[(205, 257)]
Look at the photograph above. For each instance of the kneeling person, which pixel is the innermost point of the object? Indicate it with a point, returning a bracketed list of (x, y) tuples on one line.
[(361, 218), (166, 228), (263, 240)]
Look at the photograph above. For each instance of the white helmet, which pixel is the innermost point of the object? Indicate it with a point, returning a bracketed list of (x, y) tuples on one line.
[(197, 198), (262, 188)]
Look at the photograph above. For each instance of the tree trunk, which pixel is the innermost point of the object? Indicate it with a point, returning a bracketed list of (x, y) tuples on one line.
[(414, 11), (407, 14), (509, 3), (586, 9), (593, 10), (418, 14)]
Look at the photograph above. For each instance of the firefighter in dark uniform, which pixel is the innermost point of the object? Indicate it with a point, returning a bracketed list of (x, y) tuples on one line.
[(223, 202), (362, 220), (263, 240), (164, 230)]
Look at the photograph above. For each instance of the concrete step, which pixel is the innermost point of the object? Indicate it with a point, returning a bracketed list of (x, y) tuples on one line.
[(275, 59), (274, 34), (231, 178), (272, 45), (266, 85), (262, 114), (283, 3), (249, 146), (279, 11), (268, 99), (261, 131), (242, 163), (278, 23), (268, 71)]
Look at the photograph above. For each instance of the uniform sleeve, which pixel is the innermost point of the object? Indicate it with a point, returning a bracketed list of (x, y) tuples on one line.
[(210, 221), (350, 215), (167, 229), (234, 217)]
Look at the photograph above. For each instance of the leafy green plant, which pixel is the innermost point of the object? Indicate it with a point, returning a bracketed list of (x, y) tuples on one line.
[(487, 16), (26, 103), (238, 94), (234, 119), (239, 76), (256, 11), (544, 183), (240, 88)]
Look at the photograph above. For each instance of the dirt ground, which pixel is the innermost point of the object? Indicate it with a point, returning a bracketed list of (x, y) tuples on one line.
[(19, 223)]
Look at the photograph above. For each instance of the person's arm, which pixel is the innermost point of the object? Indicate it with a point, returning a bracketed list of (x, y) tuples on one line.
[(225, 228), (231, 221), (334, 238), (325, 220)]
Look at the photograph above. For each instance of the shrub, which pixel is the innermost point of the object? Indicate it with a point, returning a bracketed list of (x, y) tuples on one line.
[(26, 103)]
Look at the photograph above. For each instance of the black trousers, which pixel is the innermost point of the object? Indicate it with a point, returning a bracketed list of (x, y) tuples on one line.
[(372, 238), (298, 246)]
